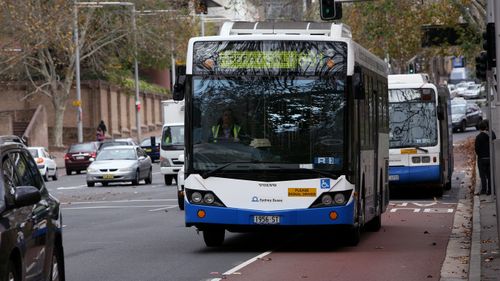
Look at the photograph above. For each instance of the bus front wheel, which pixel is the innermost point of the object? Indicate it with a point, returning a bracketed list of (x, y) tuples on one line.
[(352, 235), (214, 237)]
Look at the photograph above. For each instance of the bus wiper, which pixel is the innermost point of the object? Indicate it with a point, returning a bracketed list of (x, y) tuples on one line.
[(211, 172), (421, 149), (319, 172)]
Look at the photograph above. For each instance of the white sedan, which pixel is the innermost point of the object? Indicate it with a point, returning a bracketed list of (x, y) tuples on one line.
[(45, 162)]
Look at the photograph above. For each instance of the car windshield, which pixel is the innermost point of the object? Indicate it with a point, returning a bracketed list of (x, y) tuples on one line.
[(458, 109), (113, 143), (117, 154), (81, 147), (412, 118), (34, 152), (147, 141)]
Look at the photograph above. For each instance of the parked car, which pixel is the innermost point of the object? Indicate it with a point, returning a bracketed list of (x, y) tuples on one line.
[(153, 151), (115, 142), (465, 114), (78, 157), (46, 163), (120, 164), (31, 246)]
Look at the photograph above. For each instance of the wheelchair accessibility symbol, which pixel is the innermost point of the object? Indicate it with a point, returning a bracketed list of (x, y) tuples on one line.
[(325, 184)]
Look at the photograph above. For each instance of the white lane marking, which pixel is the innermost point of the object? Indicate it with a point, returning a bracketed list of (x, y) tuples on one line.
[(161, 209), (71, 187), (240, 266), (115, 207), (118, 201), (415, 210)]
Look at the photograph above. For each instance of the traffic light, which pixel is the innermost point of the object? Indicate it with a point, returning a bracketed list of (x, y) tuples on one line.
[(330, 10), (489, 44), (481, 66)]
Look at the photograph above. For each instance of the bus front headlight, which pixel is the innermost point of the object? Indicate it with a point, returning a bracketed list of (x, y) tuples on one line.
[(196, 197), (326, 199), (339, 198)]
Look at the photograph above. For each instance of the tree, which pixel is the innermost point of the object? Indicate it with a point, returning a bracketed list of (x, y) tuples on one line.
[(392, 29), (43, 31)]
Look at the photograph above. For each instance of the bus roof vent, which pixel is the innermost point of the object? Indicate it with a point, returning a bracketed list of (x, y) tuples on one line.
[(285, 28), (420, 78)]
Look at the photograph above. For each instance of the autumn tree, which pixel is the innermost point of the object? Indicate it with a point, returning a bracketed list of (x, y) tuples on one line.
[(43, 30)]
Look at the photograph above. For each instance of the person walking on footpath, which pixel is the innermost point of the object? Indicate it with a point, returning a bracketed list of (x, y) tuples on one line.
[(482, 148), (102, 127)]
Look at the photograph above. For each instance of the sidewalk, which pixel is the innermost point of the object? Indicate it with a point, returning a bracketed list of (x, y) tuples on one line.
[(485, 259)]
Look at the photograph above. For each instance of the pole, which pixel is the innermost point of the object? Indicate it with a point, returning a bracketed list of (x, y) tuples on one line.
[(136, 78), (172, 57), (202, 22), (493, 154), (77, 74)]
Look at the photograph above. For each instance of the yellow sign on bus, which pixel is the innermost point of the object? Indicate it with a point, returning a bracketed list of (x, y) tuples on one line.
[(302, 192)]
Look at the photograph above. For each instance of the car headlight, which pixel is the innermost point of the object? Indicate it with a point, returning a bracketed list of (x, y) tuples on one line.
[(92, 170)]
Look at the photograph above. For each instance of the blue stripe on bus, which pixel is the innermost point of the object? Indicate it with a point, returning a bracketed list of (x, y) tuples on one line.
[(234, 216), (416, 174)]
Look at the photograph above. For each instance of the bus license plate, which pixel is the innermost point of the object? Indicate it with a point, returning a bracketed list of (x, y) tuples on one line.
[(393, 177), (266, 219), (107, 177)]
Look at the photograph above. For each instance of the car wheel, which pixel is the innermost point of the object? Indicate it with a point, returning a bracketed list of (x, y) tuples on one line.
[(149, 179), (46, 176), (68, 172), (214, 237), (137, 178), (168, 179), (54, 177), (478, 122), (57, 270), (90, 184), (463, 126), (13, 272)]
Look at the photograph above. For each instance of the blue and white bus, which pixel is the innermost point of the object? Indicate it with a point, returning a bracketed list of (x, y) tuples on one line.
[(420, 137), (310, 144)]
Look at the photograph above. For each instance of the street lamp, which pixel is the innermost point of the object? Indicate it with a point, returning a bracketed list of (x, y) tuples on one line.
[(77, 58)]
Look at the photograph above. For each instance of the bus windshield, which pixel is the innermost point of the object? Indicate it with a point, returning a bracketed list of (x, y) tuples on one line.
[(268, 122), (412, 118)]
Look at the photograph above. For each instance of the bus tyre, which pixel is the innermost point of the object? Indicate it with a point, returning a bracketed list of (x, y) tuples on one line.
[(375, 224), (352, 236), (214, 237), (168, 179), (180, 200)]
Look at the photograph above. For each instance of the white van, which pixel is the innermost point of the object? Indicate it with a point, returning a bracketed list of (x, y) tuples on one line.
[(172, 139)]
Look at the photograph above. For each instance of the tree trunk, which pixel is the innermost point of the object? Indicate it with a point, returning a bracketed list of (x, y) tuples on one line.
[(59, 99)]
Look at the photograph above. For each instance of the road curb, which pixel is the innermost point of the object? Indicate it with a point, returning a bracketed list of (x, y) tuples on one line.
[(475, 250), (455, 265)]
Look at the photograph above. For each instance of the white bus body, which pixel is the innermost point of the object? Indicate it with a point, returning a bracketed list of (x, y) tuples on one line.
[(313, 151), (420, 133)]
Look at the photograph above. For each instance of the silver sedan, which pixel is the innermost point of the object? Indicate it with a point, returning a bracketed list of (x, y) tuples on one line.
[(120, 164)]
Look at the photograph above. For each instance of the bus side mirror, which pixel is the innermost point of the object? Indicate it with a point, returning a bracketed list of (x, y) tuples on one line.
[(357, 81), (179, 87)]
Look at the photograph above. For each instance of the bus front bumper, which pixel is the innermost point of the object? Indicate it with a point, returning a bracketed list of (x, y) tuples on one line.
[(233, 218), (414, 174)]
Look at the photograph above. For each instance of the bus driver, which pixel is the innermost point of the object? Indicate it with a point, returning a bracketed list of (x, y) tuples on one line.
[(226, 128)]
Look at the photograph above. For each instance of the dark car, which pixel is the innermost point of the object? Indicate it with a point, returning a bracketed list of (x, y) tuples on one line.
[(31, 245), (152, 151), (465, 114), (78, 156)]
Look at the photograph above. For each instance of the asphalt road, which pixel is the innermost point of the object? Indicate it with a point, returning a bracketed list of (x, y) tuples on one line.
[(125, 232)]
